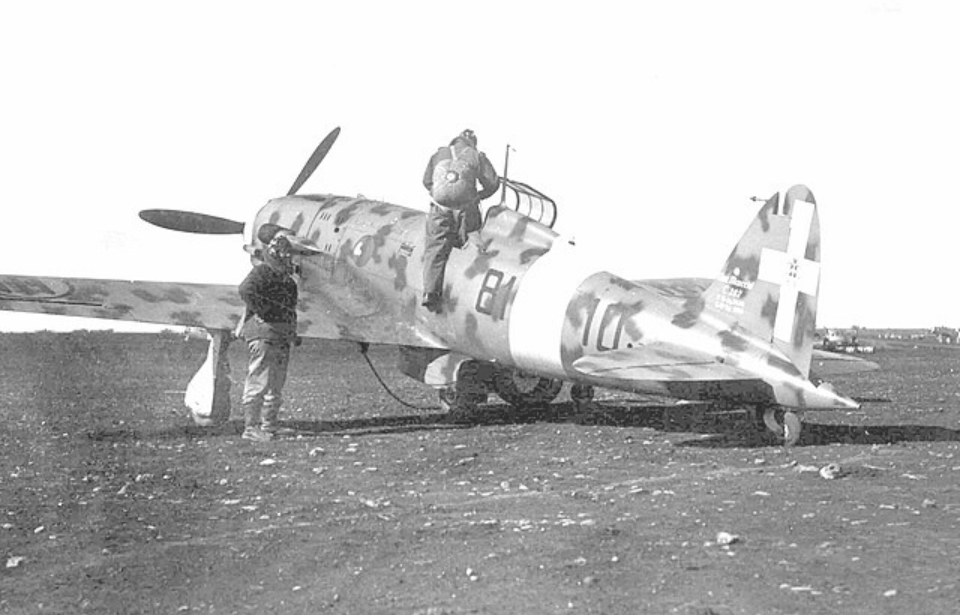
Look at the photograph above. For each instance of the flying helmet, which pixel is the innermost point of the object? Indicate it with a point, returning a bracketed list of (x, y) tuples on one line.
[(469, 136), (276, 245)]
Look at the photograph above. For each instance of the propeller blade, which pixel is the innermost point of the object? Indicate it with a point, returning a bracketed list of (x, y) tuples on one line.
[(315, 159), (191, 222)]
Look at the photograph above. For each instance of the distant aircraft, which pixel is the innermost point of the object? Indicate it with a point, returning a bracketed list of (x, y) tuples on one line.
[(520, 319)]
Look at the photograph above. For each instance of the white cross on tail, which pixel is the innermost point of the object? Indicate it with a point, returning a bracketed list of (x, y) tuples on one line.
[(793, 273)]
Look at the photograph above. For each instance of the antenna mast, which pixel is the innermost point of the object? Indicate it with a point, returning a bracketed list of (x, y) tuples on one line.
[(506, 165)]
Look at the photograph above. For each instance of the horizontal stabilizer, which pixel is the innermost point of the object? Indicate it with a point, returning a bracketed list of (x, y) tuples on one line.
[(652, 364), (835, 364)]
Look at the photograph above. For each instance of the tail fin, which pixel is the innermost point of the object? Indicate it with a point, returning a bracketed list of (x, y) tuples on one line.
[(770, 281)]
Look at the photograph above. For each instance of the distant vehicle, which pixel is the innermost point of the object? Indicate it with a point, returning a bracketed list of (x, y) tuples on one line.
[(838, 341), (946, 335)]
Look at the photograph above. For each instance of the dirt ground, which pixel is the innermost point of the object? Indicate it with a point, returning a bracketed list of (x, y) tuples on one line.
[(111, 502)]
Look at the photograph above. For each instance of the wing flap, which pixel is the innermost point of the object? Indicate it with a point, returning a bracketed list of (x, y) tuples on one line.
[(657, 365)]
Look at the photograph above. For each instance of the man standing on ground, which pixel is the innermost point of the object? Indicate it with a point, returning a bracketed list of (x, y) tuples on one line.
[(270, 327), (451, 177)]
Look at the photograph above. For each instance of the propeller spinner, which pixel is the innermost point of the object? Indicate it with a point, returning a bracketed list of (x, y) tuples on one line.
[(205, 224)]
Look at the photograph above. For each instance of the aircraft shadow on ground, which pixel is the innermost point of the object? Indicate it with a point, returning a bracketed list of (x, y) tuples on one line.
[(234, 428), (729, 430), (713, 430)]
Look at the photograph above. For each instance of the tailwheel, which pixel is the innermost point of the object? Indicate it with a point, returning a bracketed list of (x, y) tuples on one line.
[(784, 424), (522, 390)]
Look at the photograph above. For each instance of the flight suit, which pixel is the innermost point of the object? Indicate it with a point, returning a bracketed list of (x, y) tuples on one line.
[(270, 328), (448, 226)]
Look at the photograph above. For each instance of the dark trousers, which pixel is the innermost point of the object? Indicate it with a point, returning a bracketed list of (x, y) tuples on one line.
[(447, 228)]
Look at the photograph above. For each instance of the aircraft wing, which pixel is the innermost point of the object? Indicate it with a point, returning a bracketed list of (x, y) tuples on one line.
[(835, 364), (215, 306), (211, 306), (658, 364)]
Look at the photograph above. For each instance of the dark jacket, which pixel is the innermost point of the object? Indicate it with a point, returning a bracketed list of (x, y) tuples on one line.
[(483, 169), (271, 298)]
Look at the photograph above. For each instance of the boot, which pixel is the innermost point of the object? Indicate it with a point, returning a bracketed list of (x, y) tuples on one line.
[(251, 423)]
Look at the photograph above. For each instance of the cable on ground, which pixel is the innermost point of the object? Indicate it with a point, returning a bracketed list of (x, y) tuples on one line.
[(364, 346)]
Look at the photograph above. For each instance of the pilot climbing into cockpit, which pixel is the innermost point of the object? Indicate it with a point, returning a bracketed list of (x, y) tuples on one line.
[(454, 220)]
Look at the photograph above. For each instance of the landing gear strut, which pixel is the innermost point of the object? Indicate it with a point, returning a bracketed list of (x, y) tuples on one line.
[(785, 424)]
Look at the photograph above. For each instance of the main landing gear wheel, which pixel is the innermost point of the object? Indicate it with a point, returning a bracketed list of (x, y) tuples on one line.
[(460, 400), (459, 405), (525, 391), (785, 424)]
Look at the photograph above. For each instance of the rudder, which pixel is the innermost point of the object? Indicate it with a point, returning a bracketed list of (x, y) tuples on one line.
[(769, 284)]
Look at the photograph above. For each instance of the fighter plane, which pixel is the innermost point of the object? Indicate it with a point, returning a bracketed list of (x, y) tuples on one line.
[(519, 318)]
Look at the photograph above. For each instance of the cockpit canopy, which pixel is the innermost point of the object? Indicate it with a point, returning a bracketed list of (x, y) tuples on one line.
[(528, 201)]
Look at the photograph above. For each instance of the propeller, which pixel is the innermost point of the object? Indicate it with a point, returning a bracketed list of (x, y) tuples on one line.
[(205, 224), (191, 222), (315, 159)]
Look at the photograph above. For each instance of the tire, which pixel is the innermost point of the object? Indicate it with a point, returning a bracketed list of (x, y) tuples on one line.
[(460, 400), (784, 424), (791, 428), (523, 391)]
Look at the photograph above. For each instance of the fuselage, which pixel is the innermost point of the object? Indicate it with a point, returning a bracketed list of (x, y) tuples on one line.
[(529, 300)]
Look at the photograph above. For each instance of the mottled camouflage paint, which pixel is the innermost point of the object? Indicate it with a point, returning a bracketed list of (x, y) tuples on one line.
[(725, 330), (610, 313), (202, 305), (691, 338), (367, 278), (700, 339)]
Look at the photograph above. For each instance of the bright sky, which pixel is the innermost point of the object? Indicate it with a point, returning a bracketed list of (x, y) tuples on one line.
[(650, 123)]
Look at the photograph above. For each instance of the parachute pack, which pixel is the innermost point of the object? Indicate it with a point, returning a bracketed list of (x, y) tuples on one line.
[(454, 180)]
